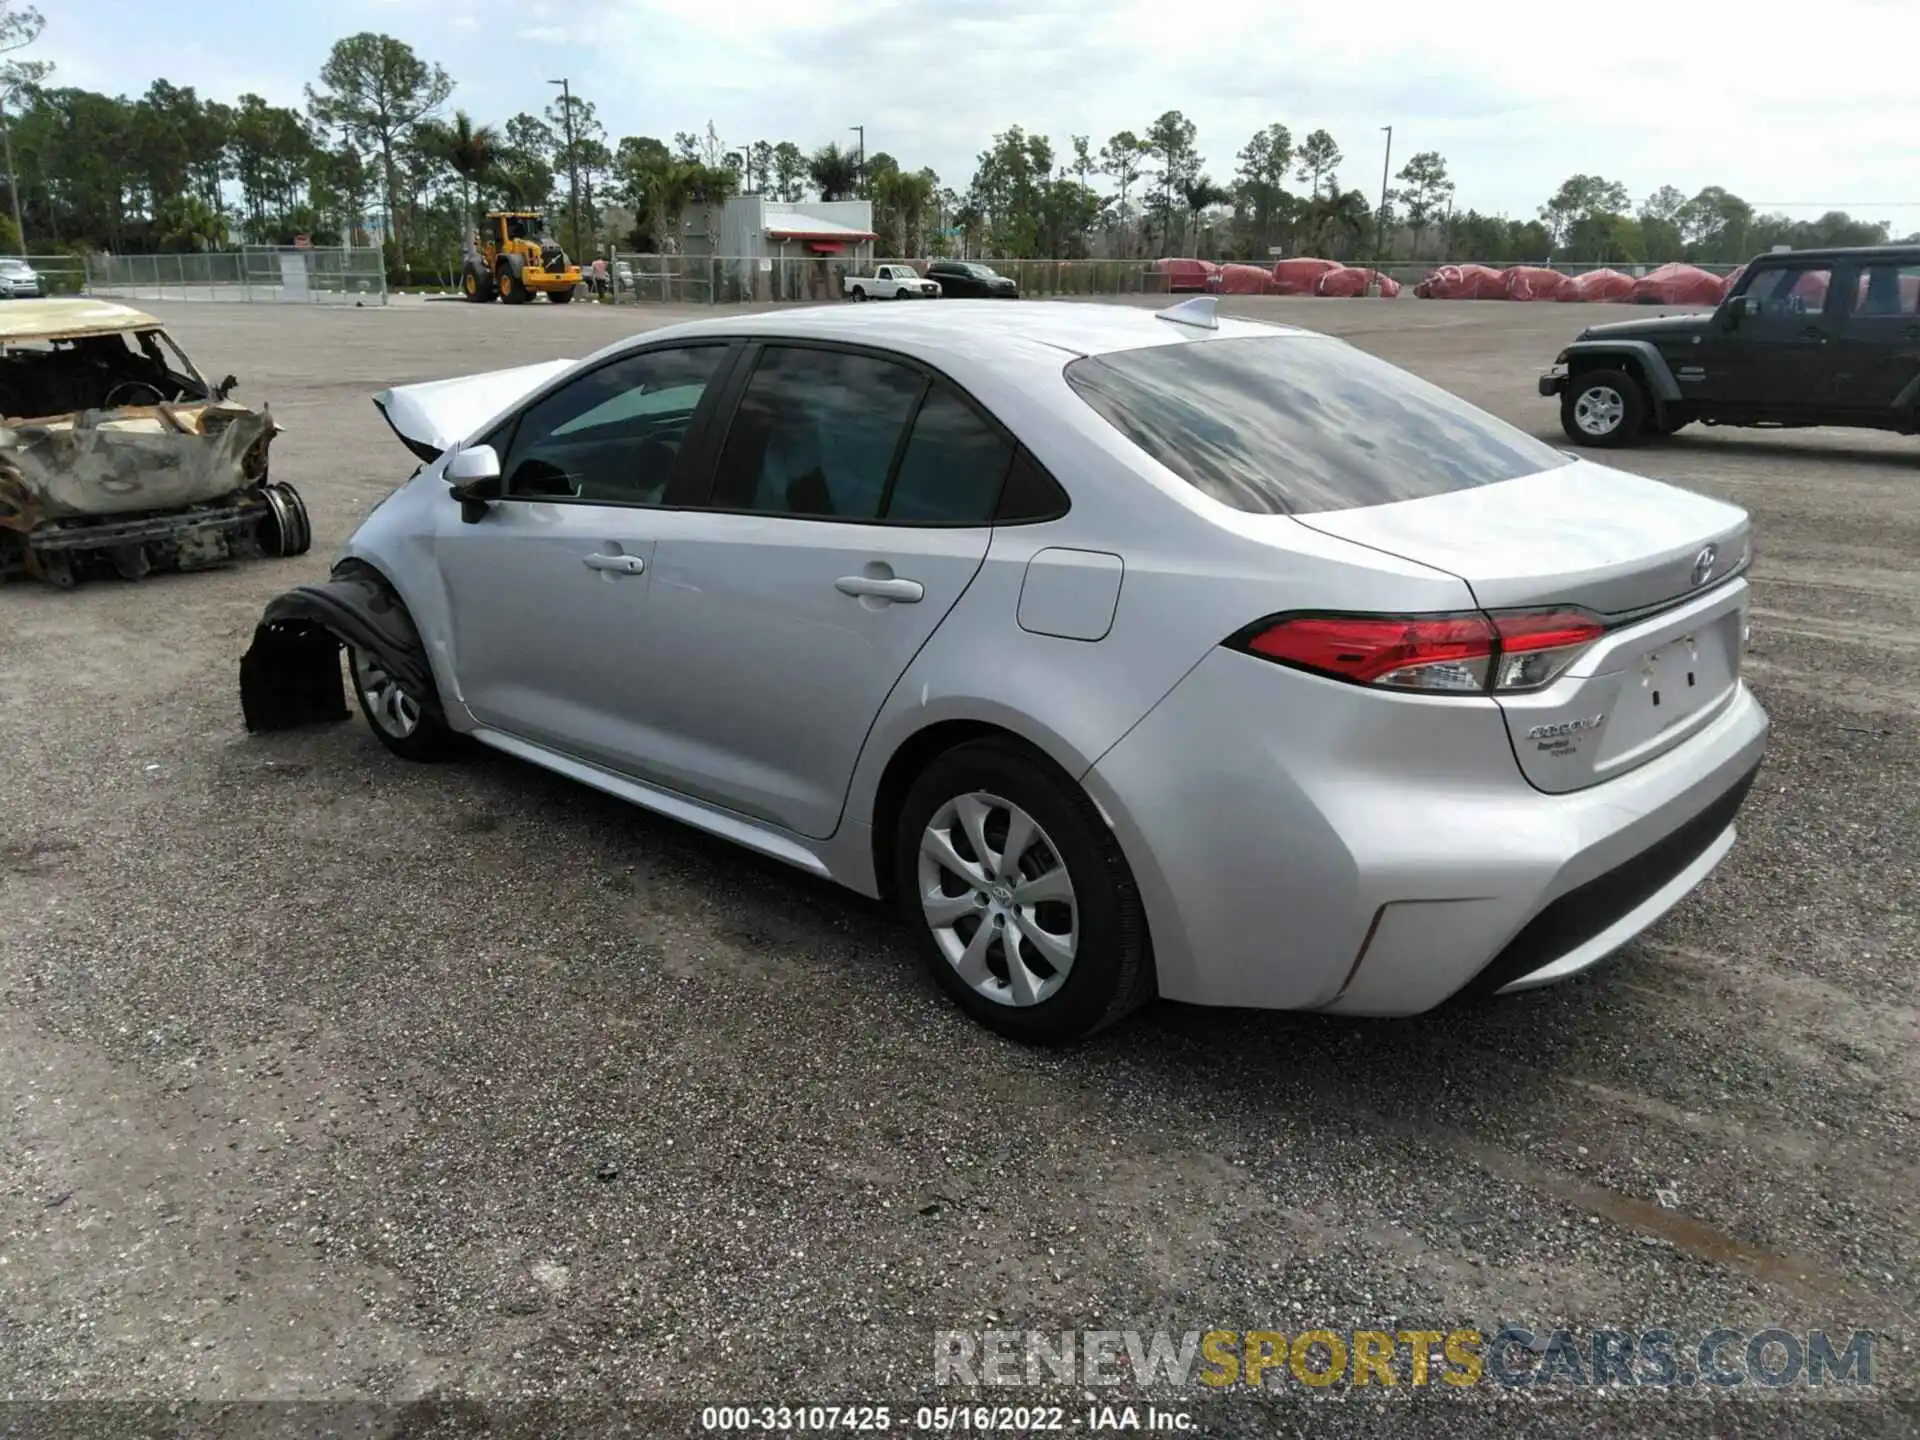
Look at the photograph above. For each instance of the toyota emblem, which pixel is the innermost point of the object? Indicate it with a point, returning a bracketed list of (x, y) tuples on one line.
[(1703, 565)]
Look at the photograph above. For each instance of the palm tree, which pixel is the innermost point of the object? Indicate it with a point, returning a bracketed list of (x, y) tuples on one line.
[(470, 152), (187, 222), (833, 171), (1199, 192)]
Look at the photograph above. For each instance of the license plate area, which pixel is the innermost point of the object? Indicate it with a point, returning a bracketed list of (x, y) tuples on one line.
[(1674, 680)]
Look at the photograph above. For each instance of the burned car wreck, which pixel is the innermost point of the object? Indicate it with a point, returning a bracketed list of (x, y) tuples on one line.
[(118, 457)]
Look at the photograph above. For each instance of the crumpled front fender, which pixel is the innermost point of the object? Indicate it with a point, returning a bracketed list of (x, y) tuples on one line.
[(290, 675)]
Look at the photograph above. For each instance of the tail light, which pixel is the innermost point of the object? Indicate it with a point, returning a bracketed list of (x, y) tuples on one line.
[(1505, 652)]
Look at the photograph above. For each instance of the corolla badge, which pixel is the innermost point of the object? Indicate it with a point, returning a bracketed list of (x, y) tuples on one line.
[(1703, 564)]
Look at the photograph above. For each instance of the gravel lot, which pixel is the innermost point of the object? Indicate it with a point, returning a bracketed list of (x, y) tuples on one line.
[(328, 1076)]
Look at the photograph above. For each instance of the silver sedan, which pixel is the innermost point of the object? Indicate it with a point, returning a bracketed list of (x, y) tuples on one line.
[(1132, 653)]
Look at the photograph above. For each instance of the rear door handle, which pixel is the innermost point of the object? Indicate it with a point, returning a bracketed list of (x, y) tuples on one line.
[(617, 564), (1813, 332), (904, 592)]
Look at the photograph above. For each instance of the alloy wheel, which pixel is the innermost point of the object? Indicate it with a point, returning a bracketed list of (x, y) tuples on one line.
[(388, 704), (1599, 410), (998, 899)]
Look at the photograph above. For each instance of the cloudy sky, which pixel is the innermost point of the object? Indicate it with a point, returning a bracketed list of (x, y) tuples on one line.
[(1692, 93)]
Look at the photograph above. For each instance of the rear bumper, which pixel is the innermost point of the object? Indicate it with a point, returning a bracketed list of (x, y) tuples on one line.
[(1379, 855)]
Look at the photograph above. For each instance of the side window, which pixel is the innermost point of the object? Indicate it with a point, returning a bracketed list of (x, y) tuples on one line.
[(953, 468), (1791, 289), (815, 434), (1888, 290), (611, 437)]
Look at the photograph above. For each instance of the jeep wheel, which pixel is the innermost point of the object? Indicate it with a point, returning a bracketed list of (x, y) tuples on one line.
[(1603, 408)]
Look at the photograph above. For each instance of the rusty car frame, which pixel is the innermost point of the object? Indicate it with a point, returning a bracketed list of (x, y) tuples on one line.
[(118, 457)]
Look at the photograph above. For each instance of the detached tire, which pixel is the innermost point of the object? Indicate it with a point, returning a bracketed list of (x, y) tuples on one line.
[(1025, 910), (1604, 409), (560, 297)]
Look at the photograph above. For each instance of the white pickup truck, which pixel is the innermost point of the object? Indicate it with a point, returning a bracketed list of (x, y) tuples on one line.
[(890, 282)]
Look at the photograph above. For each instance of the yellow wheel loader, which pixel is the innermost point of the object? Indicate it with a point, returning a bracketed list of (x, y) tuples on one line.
[(516, 261)]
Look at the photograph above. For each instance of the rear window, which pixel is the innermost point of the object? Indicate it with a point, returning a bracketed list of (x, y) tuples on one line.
[(1293, 425)]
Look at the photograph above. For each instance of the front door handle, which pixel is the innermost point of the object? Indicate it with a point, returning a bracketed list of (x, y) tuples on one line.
[(617, 564), (1813, 332), (904, 592)]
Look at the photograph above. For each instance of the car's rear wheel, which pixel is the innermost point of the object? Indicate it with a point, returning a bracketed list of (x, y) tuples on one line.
[(1027, 913), (859, 292), (1603, 408), (409, 725)]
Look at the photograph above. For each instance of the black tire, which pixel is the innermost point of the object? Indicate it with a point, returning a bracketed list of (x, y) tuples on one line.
[(560, 297), (1111, 972), (860, 292), (428, 739), (513, 288), (1591, 396), (476, 283)]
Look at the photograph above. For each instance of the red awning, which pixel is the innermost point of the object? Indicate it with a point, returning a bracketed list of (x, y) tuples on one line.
[(826, 247)]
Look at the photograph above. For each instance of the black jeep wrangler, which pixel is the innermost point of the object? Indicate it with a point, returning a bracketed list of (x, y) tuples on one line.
[(1804, 337)]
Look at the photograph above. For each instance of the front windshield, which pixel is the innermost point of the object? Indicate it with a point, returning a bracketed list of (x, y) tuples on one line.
[(159, 345)]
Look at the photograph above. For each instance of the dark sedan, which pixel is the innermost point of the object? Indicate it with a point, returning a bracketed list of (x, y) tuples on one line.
[(967, 280)]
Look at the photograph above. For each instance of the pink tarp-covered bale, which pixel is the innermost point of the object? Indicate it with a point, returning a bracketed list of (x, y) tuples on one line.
[(1184, 274), (1346, 281), (1463, 282), (1598, 287), (1532, 282), (1244, 280), (1726, 286), (1300, 275), (1678, 285)]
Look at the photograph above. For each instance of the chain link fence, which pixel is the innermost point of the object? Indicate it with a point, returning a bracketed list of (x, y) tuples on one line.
[(316, 275), (730, 280)]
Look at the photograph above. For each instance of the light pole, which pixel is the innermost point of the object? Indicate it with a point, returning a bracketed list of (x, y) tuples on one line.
[(13, 180), (1380, 225), (861, 131), (573, 171)]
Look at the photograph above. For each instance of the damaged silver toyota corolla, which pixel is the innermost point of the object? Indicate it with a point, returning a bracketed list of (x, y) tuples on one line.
[(118, 457)]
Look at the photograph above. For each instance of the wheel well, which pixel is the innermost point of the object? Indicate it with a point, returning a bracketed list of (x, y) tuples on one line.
[(919, 751), (1624, 361)]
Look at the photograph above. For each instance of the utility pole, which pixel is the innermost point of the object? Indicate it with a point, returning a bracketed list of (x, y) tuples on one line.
[(13, 180), (573, 170), (1380, 224), (861, 131)]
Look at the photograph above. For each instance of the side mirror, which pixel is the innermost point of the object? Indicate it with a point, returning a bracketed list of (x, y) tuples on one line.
[(1737, 309), (473, 475)]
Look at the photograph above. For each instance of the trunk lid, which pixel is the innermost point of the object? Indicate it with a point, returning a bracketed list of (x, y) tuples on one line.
[(436, 414), (1659, 564)]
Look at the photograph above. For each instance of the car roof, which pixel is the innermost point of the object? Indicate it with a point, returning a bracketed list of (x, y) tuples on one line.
[(947, 328), (67, 316), (1840, 252)]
